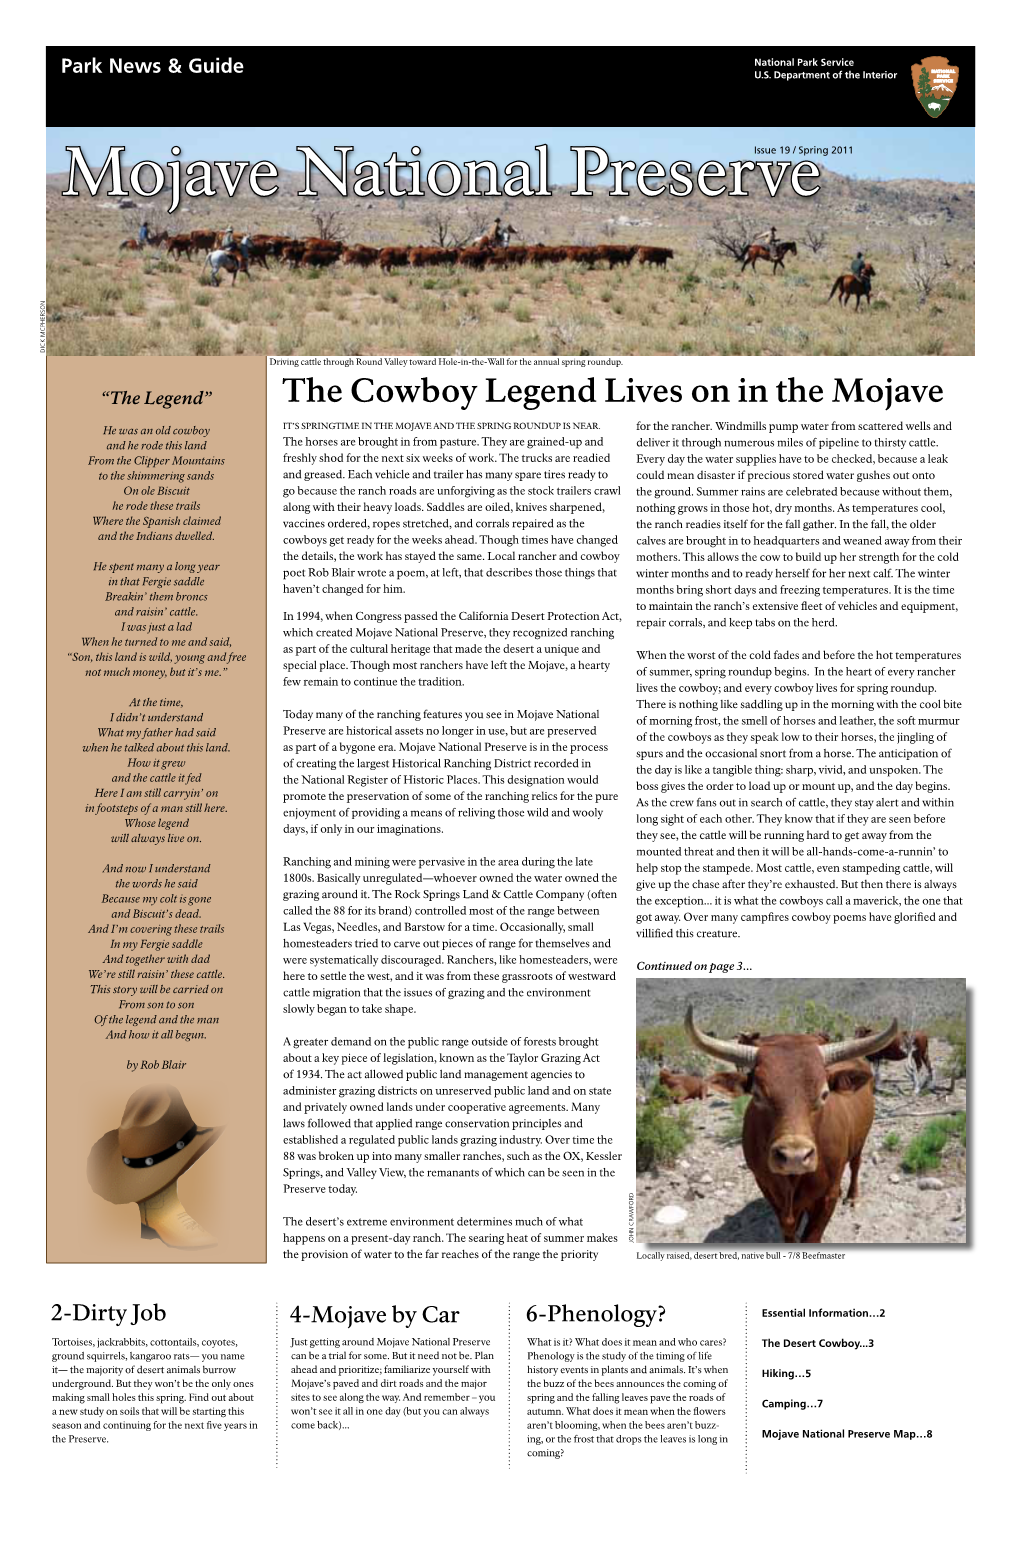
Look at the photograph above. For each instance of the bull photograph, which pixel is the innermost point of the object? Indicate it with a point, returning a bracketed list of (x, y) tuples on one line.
[(802, 1110), (630, 268)]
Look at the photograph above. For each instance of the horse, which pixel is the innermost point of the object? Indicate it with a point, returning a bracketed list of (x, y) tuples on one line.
[(849, 284), (496, 238), (755, 254), (233, 262)]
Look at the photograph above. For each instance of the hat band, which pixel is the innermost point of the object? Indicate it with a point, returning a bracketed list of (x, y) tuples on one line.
[(162, 1155)]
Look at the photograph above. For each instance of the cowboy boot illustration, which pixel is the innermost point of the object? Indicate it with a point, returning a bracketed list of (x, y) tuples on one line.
[(140, 1162), (164, 1215)]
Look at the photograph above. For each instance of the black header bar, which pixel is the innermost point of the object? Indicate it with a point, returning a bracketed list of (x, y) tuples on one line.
[(767, 87)]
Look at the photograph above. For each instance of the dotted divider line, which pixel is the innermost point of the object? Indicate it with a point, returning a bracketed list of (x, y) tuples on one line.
[(745, 1388)]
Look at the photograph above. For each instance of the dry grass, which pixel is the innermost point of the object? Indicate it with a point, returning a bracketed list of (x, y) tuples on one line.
[(102, 301)]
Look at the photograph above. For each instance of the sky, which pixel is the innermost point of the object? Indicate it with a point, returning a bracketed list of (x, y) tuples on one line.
[(942, 152)]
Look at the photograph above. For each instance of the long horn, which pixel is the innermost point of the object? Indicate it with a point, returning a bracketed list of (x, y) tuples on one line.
[(720, 1048), (859, 1048)]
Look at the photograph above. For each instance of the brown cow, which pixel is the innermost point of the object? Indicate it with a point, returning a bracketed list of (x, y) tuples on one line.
[(811, 1109), (914, 1051), (728, 1083), (654, 256), (506, 256), (176, 244), (320, 254), (270, 245), (538, 256), (431, 256), (473, 257), (205, 240), (615, 256), (755, 1037), (690, 1088), (393, 257), (683, 1088)]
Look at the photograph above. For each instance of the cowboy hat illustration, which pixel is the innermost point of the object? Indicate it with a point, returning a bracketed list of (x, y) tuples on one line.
[(140, 1162)]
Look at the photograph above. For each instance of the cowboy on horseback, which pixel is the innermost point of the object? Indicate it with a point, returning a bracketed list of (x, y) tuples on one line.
[(143, 233), (492, 237), (770, 238), (857, 267)]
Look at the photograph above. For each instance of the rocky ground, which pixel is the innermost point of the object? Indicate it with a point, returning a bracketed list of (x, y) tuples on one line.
[(724, 1207)]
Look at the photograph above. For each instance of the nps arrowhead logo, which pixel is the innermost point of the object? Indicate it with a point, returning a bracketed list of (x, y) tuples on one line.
[(935, 80)]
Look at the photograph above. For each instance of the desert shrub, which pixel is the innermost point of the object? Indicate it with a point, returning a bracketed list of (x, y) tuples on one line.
[(660, 1136), (78, 339), (927, 265), (813, 1017), (651, 1046), (647, 1074), (956, 1034), (924, 1153), (734, 1126), (793, 338), (892, 1141)]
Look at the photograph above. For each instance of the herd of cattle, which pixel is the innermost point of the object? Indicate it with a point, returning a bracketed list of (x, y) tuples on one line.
[(314, 252), (811, 1109)]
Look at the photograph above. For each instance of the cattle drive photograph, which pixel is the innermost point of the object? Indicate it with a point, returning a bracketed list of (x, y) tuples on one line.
[(805, 1111), (603, 275)]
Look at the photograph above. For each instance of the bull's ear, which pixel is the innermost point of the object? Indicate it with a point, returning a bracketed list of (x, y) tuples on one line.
[(730, 1083), (849, 1077)]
